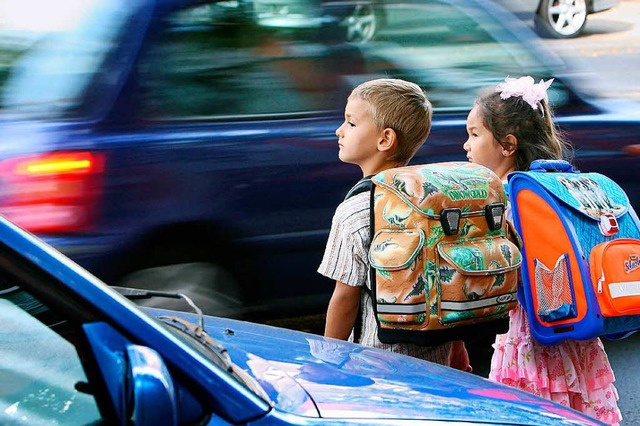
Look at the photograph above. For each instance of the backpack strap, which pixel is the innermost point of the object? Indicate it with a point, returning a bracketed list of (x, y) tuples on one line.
[(514, 237), (363, 185)]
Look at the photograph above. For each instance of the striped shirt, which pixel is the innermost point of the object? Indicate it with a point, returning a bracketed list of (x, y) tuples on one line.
[(346, 260)]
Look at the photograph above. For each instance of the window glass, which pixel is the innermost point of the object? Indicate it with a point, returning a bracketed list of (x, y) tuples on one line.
[(197, 68), (260, 57), (55, 69), (38, 367), (226, 61)]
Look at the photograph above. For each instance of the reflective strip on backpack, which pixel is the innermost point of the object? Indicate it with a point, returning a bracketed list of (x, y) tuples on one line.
[(401, 309), (628, 288), (475, 304)]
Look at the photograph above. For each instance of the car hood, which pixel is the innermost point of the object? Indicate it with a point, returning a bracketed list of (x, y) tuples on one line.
[(309, 375)]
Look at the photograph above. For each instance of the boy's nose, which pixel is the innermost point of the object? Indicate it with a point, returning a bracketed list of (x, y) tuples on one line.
[(465, 145)]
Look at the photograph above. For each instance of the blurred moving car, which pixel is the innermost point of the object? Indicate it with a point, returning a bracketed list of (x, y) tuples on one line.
[(73, 351), (356, 20), (361, 19), (162, 148), (558, 18)]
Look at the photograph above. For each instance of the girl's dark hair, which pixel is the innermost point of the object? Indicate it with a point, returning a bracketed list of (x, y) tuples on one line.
[(538, 137)]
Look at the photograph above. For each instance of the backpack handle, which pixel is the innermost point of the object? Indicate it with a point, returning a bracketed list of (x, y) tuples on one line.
[(544, 166)]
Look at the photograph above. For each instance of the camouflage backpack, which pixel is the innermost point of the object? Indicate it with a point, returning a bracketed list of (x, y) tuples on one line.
[(444, 261)]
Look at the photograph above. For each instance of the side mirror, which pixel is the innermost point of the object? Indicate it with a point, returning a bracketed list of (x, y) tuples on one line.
[(150, 388), (137, 382)]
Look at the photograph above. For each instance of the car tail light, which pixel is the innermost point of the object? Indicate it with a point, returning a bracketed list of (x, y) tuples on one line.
[(52, 193)]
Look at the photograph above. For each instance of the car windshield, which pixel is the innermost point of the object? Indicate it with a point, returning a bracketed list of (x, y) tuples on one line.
[(47, 70), (39, 368)]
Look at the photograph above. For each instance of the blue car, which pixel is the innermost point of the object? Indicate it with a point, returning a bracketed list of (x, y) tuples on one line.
[(165, 148), (73, 351)]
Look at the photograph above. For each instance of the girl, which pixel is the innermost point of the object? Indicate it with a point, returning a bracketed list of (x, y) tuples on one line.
[(508, 128)]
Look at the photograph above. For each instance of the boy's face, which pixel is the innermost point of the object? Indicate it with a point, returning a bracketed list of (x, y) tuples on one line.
[(482, 148), (357, 136)]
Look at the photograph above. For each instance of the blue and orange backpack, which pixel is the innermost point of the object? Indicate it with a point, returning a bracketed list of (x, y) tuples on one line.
[(581, 253)]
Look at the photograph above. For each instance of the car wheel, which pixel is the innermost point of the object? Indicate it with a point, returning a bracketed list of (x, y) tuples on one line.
[(209, 286), (561, 18), (362, 24)]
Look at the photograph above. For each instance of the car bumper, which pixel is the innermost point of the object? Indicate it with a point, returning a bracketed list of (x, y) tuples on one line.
[(602, 5)]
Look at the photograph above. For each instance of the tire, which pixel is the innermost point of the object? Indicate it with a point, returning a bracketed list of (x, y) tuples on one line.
[(209, 286), (561, 18), (362, 23)]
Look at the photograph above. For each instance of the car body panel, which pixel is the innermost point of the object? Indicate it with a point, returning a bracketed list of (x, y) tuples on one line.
[(275, 376), (557, 19), (325, 367), (602, 5), (530, 7)]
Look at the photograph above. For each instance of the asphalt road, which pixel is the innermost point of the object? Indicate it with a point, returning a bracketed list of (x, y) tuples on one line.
[(623, 356)]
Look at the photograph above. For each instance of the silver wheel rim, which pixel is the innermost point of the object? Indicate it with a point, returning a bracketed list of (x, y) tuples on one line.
[(567, 17), (361, 24)]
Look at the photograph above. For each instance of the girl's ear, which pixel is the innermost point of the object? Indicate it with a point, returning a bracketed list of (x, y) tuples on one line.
[(509, 145), (388, 140)]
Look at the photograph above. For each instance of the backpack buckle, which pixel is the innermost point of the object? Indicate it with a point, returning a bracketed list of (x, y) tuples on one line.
[(450, 220), (608, 225), (494, 214)]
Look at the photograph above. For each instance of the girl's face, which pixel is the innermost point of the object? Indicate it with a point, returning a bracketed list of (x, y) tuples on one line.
[(358, 136), (482, 148)]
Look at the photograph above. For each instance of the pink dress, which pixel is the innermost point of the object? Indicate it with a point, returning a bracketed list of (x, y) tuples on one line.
[(574, 373)]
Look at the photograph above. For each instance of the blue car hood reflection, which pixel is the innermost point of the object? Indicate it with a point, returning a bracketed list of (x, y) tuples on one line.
[(310, 375)]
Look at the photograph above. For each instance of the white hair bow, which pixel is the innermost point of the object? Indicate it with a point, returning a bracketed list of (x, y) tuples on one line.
[(526, 88)]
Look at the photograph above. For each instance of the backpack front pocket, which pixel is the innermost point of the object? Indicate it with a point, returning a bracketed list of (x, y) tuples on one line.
[(615, 273), (400, 292), (476, 279)]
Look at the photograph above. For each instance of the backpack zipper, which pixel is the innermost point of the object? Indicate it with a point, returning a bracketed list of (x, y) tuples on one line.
[(600, 281)]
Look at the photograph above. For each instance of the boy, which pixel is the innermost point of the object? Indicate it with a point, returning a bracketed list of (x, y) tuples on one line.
[(386, 122)]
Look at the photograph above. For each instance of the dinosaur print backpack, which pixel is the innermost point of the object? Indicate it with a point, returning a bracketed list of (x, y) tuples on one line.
[(581, 251), (444, 264)]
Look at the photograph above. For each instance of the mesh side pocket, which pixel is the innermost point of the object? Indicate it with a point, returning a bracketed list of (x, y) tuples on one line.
[(554, 292)]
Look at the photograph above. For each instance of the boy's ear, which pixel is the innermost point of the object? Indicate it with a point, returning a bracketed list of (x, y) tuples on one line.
[(388, 140), (509, 145)]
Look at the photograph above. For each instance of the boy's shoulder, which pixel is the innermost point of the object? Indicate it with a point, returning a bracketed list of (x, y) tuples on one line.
[(353, 212), (363, 185), (356, 203)]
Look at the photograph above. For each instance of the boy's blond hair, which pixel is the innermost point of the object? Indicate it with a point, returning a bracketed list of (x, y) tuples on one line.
[(402, 106)]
